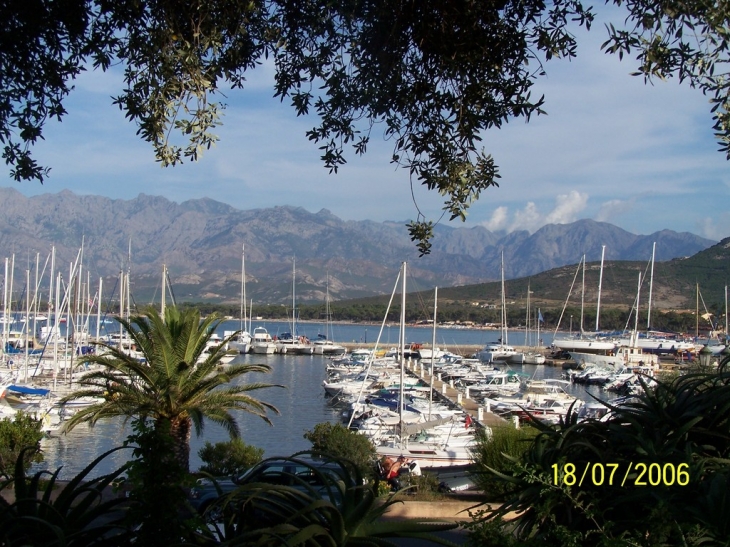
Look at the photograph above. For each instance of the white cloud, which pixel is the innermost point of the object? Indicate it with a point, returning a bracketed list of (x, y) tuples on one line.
[(567, 208), (528, 219), (498, 220)]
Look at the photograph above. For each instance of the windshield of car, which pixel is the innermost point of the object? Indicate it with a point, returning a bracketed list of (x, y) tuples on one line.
[(311, 477)]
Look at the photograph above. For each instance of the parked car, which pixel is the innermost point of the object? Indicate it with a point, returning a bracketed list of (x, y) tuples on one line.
[(317, 478)]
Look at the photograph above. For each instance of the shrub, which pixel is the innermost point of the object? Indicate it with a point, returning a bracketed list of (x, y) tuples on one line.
[(681, 426), (229, 457), (425, 487), (490, 455), (41, 512), (340, 442), (22, 431)]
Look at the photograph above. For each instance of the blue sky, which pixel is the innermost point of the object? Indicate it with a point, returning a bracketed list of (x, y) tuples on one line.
[(642, 157)]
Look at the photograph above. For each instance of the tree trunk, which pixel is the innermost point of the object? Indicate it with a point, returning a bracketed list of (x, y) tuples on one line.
[(180, 431)]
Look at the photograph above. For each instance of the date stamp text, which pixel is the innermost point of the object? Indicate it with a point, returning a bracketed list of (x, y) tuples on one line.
[(626, 474)]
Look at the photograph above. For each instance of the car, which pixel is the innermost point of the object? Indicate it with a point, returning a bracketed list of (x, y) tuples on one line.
[(315, 477)]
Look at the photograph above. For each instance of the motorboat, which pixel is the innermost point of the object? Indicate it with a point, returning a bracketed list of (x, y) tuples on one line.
[(262, 342), (496, 352), (323, 346), (300, 345)]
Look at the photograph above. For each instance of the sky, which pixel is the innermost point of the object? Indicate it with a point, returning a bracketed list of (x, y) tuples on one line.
[(612, 148)]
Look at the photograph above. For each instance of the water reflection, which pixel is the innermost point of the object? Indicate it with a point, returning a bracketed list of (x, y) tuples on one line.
[(301, 403)]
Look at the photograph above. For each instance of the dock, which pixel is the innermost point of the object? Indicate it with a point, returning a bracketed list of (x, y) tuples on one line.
[(455, 398)]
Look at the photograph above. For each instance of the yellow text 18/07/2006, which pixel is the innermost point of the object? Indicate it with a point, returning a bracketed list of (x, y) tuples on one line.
[(610, 474)]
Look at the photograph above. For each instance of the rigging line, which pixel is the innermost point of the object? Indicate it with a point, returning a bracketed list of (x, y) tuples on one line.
[(169, 287), (375, 348), (634, 305), (577, 270), (419, 295)]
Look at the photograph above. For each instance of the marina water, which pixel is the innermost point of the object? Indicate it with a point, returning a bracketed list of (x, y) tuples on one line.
[(301, 402)]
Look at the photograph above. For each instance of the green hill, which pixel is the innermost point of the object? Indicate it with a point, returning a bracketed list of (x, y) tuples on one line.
[(679, 287)]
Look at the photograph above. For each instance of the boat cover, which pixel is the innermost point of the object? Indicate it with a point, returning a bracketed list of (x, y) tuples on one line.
[(28, 390)]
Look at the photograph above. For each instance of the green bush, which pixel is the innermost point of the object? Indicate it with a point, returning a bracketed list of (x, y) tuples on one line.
[(229, 457), (592, 480), (22, 431), (494, 452), (424, 487), (340, 442), (42, 512)]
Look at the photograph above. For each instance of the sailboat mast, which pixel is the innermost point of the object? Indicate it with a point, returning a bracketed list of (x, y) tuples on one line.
[(651, 287), (6, 315), (98, 309), (36, 288), (121, 304), (27, 322), (697, 311), (634, 341), (600, 282), (402, 351), (433, 349), (727, 334), (129, 272), (51, 310), (504, 308), (583, 296), (328, 325), (293, 297), (527, 317), (243, 287), (164, 288)]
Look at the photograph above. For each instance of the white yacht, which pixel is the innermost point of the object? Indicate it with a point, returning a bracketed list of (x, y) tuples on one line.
[(262, 342)]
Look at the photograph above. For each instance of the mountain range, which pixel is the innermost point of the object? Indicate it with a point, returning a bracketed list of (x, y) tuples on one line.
[(201, 241)]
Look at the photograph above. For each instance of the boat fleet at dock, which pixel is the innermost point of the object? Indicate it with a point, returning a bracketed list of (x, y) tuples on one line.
[(402, 399), (407, 414)]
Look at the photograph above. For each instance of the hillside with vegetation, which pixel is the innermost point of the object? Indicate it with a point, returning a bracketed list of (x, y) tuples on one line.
[(679, 289)]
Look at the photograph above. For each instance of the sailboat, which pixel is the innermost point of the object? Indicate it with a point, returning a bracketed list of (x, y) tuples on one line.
[(447, 450), (291, 342), (532, 357), (499, 351), (242, 342), (324, 344), (628, 356), (591, 344), (652, 341)]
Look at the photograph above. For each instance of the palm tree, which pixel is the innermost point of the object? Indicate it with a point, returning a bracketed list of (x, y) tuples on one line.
[(170, 386)]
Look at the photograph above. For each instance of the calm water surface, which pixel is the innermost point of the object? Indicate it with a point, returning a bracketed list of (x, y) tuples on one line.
[(301, 402)]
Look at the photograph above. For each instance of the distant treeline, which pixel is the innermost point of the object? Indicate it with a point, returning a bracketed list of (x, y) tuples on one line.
[(610, 318)]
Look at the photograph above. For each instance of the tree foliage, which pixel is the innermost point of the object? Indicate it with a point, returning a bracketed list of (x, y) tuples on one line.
[(429, 76), (688, 40), (229, 458), (172, 386), (336, 440), (17, 434), (42, 511)]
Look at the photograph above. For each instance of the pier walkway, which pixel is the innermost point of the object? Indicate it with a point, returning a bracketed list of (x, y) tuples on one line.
[(456, 398)]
